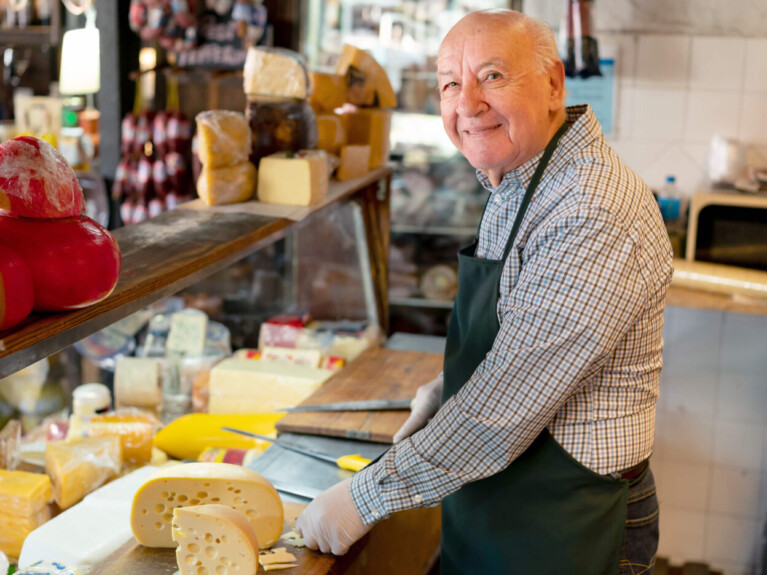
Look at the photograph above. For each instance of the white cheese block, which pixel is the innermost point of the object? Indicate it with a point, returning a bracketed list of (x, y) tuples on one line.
[(246, 386), (87, 533), (270, 72), (214, 539), (297, 179), (202, 483)]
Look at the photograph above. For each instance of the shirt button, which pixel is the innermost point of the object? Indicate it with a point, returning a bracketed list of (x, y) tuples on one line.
[(418, 499)]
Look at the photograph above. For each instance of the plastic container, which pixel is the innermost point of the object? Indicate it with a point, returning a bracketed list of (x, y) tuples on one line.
[(670, 201), (91, 398)]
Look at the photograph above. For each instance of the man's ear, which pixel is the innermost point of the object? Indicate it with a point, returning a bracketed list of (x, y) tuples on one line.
[(557, 87)]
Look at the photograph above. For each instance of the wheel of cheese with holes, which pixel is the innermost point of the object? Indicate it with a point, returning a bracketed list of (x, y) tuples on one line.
[(201, 483), (214, 539)]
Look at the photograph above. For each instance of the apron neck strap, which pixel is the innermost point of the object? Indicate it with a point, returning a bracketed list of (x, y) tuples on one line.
[(544, 161)]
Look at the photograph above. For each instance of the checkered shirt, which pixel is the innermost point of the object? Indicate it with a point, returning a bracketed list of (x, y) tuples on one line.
[(579, 346)]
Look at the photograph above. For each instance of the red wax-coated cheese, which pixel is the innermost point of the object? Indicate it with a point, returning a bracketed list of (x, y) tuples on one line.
[(16, 292), (75, 262), (37, 182)]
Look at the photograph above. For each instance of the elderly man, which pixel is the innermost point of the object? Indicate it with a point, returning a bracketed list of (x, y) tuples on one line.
[(543, 421)]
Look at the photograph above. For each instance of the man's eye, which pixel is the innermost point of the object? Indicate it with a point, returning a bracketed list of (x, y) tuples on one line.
[(493, 76), (449, 85)]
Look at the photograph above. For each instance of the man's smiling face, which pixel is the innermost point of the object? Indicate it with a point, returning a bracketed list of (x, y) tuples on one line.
[(495, 104)]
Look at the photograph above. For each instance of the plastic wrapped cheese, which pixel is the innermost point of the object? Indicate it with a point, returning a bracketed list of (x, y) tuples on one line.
[(201, 483), (79, 466), (366, 80), (275, 72), (14, 530), (228, 185), (299, 179), (23, 493), (195, 529), (223, 138), (283, 126), (135, 431), (10, 445), (49, 568)]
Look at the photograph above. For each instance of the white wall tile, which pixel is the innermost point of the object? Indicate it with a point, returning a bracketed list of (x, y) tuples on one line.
[(743, 397), (623, 48), (623, 127), (637, 155), (732, 540), (735, 492), (663, 61), (681, 485), (738, 445), (717, 63), (689, 173), (659, 114), (753, 117), (684, 438), (692, 393), (712, 113), (756, 64), (682, 534)]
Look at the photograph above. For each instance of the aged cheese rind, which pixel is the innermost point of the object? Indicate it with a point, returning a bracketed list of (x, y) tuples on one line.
[(214, 538), (223, 138), (367, 82), (328, 92), (23, 493), (293, 179), (275, 72), (192, 484), (227, 185), (77, 467), (246, 386)]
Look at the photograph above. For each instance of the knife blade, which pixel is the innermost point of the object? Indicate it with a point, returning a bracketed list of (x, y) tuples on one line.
[(367, 405), (351, 462)]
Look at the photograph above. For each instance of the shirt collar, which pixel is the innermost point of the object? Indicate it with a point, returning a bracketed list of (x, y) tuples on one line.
[(583, 127)]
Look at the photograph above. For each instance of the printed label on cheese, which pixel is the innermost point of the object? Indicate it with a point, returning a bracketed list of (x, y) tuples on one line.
[(214, 539), (192, 484)]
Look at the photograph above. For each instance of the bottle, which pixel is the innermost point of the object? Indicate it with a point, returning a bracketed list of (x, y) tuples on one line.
[(670, 201)]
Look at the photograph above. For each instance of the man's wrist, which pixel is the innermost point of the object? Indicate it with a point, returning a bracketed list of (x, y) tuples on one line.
[(365, 495)]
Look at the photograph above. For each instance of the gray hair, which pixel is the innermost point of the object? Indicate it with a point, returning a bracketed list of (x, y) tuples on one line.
[(545, 52)]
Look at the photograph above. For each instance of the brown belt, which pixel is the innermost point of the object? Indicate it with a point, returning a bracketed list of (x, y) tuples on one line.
[(632, 472)]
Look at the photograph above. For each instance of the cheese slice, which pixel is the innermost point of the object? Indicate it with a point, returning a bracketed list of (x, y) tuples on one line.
[(214, 539), (354, 162), (370, 127), (367, 82), (246, 386), (23, 493), (330, 133), (223, 138), (227, 185), (77, 467), (296, 179), (328, 92), (135, 431), (275, 72), (191, 484), (14, 530)]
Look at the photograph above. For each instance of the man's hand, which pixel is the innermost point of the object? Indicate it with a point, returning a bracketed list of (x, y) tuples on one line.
[(425, 405), (331, 523)]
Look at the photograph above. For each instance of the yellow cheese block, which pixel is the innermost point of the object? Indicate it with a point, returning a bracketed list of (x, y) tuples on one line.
[(246, 386), (229, 185), (370, 127), (135, 432), (191, 484), (274, 72), (14, 530), (187, 436), (223, 138), (296, 179), (23, 493), (214, 539), (354, 162), (328, 92), (331, 133), (79, 466), (366, 80)]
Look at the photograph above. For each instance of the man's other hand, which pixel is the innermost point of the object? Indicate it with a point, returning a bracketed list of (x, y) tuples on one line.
[(331, 523), (423, 408)]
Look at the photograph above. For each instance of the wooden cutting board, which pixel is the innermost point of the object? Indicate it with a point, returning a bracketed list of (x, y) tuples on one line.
[(375, 374)]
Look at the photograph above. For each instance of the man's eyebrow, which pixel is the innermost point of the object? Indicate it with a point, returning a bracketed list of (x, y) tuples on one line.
[(492, 62)]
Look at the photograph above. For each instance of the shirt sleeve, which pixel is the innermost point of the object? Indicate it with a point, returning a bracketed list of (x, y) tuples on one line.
[(577, 294)]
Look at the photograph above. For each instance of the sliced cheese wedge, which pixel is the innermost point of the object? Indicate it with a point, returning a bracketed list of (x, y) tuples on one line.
[(192, 484), (214, 539)]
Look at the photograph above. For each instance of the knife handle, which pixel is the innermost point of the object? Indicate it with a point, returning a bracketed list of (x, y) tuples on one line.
[(352, 462)]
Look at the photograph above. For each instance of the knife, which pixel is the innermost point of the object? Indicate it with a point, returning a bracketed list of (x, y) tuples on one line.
[(368, 405), (350, 462)]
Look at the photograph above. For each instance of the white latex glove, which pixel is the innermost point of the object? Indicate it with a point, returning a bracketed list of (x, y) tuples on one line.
[(331, 523), (424, 406)]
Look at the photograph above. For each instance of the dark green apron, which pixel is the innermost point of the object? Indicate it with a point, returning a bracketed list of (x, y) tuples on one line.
[(545, 514)]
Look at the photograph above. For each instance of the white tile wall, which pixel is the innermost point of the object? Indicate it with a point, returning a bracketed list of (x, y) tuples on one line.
[(735, 492), (753, 119), (711, 113), (663, 61), (659, 113), (755, 71), (717, 63)]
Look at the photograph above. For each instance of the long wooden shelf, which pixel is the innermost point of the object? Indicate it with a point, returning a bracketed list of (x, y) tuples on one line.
[(166, 254)]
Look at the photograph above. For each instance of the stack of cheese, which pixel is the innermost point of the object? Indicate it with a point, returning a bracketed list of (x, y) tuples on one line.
[(24, 507), (223, 140), (358, 134)]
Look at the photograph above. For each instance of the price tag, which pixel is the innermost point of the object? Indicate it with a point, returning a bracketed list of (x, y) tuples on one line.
[(186, 337)]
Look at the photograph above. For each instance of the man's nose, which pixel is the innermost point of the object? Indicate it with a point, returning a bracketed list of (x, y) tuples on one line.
[(471, 102)]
